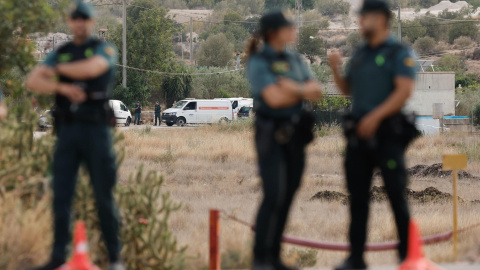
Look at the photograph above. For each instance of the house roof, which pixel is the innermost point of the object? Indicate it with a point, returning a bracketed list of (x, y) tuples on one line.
[(331, 89)]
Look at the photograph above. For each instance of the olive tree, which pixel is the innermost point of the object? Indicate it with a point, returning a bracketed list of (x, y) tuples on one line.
[(216, 51)]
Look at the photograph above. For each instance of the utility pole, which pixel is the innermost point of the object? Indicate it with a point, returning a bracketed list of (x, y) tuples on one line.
[(399, 25), (124, 46), (191, 40), (53, 42), (181, 42)]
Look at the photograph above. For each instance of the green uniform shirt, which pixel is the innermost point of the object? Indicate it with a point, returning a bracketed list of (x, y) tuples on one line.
[(137, 108), (265, 67), (104, 49), (103, 83), (371, 73)]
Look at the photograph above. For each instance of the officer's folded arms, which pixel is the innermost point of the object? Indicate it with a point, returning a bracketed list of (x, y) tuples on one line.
[(286, 92)]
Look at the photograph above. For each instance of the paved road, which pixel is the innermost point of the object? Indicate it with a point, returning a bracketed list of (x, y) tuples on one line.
[(457, 266), (154, 127)]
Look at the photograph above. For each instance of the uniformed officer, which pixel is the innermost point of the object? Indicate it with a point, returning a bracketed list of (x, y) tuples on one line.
[(138, 112), (280, 82), (80, 74), (158, 110), (380, 78)]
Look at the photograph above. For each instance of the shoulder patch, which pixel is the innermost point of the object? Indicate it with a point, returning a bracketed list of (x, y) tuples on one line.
[(409, 62), (109, 50)]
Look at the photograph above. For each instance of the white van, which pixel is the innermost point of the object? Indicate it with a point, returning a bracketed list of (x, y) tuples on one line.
[(238, 103), (198, 111), (121, 112)]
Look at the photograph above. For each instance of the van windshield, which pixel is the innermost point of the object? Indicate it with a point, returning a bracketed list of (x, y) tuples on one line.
[(179, 104)]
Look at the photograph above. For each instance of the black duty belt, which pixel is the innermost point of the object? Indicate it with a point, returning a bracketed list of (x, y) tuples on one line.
[(97, 95)]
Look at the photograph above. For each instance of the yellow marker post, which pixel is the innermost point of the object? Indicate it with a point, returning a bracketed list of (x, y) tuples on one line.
[(455, 163)]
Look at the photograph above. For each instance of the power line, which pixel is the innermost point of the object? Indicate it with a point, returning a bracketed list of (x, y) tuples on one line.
[(438, 24), (444, 53), (181, 74), (451, 20), (188, 15), (102, 5)]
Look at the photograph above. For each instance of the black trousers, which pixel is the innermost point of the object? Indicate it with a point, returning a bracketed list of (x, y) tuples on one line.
[(361, 159), (281, 169), (90, 144), (157, 116)]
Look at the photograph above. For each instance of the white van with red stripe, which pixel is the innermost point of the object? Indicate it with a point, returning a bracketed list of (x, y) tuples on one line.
[(238, 103), (198, 111)]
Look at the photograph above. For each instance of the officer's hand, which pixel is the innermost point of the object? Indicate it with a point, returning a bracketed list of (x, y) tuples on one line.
[(368, 126), (3, 111), (334, 60), (288, 85), (313, 91), (74, 93)]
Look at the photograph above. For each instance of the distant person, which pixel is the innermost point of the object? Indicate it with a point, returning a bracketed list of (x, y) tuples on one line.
[(380, 78), (138, 112), (158, 111), (80, 74), (3, 107), (280, 82)]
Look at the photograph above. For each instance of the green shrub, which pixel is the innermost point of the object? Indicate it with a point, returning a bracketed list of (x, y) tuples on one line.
[(450, 62), (412, 29), (468, 99), (333, 7), (476, 115), (463, 42), (469, 80), (353, 40), (468, 29), (476, 54), (321, 72), (425, 45), (236, 259), (333, 103), (145, 210)]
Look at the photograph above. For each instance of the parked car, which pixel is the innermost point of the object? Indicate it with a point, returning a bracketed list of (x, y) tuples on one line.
[(245, 113), (45, 120), (198, 111), (121, 112)]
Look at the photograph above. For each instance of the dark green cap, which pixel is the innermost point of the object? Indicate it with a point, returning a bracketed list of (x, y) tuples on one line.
[(375, 6), (83, 9), (273, 21)]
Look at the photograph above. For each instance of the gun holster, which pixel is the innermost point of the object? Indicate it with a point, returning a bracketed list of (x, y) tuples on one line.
[(400, 126)]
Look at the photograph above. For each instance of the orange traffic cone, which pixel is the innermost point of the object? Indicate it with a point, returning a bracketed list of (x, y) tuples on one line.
[(415, 257), (80, 259)]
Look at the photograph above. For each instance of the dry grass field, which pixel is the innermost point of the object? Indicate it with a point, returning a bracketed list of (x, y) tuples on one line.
[(215, 167)]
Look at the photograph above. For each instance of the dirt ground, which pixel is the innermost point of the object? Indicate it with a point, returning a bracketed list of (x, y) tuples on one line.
[(214, 167)]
